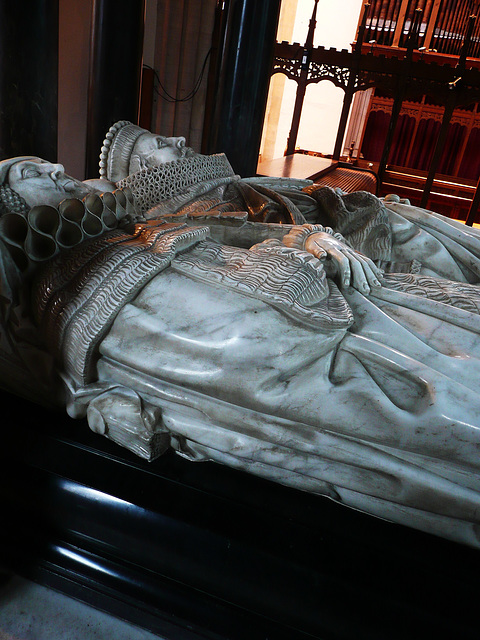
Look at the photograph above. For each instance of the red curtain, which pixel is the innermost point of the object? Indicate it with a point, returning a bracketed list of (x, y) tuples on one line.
[(425, 139), (422, 152), (375, 135), (470, 167), (455, 137), (401, 140)]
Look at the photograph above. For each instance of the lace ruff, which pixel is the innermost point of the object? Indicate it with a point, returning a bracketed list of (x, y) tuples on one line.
[(155, 184)]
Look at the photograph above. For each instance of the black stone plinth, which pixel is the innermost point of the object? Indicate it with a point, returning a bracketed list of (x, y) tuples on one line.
[(197, 550)]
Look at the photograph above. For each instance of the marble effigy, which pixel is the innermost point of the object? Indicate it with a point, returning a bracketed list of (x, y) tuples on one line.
[(397, 236), (238, 331)]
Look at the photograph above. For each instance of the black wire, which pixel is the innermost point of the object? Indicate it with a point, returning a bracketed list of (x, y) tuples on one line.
[(190, 95)]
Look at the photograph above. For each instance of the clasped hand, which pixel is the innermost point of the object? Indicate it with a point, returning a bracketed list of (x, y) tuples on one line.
[(344, 264)]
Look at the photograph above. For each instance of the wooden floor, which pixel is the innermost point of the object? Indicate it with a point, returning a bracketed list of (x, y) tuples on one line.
[(297, 165)]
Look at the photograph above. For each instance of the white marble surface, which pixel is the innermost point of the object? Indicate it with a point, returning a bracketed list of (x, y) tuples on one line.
[(128, 148), (382, 417), (31, 612), (297, 367), (38, 181)]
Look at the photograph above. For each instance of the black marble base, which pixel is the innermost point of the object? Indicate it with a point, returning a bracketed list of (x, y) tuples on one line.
[(196, 550)]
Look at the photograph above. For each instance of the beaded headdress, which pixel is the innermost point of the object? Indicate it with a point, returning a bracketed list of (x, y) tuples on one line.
[(117, 149)]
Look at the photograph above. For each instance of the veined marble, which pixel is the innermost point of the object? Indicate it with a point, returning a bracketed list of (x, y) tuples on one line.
[(231, 335)]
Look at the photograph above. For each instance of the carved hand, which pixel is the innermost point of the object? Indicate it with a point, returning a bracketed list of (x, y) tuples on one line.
[(348, 266)]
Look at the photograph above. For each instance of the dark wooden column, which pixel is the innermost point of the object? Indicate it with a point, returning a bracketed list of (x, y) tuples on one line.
[(450, 104), (347, 98), (400, 92), (246, 44), (28, 78), (472, 212), (115, 71), (302, 83)]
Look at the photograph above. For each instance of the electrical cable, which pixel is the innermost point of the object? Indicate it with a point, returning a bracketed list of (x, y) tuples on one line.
[(190, 95)]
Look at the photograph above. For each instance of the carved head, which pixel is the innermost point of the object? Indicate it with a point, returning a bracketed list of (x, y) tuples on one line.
[(128, 148), (27, 181)]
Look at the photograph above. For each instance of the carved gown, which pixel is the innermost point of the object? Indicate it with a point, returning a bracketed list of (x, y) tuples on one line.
[(255, 359), (252, 357)]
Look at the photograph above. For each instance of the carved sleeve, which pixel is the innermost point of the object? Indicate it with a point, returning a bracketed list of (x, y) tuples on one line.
[(297, 236)]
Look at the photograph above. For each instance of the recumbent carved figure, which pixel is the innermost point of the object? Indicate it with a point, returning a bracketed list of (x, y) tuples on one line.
[(273, 347)]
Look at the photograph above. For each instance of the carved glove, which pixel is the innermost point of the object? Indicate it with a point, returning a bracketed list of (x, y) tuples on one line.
[(342, 263)]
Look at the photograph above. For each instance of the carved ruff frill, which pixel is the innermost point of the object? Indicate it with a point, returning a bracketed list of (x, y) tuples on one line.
[(77, 295)]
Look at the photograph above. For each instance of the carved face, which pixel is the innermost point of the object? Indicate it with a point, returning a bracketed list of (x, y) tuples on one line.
[(42, 182), (151, 150)]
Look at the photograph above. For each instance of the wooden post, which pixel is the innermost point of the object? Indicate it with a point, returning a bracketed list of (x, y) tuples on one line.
[(437, 153), (461, 152), (431, 24), (302, 84), (297, 113), (400, 94), (447, 115), (400, 22), (472, 212), (347, 99)]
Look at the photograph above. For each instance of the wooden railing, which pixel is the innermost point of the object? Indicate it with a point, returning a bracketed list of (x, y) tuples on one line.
[(410, 72)]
